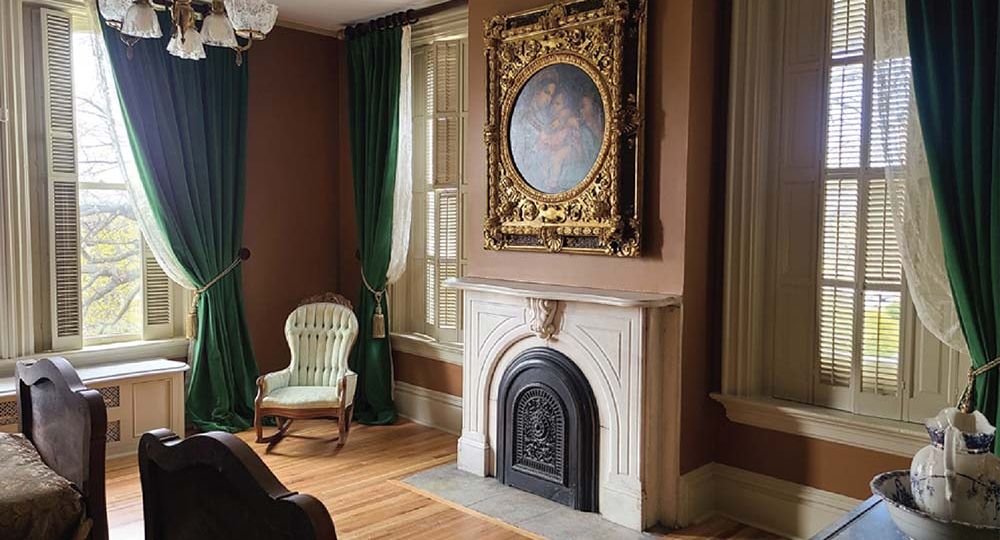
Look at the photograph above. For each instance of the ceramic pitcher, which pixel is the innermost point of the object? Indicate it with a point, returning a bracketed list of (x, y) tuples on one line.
[(957, 477)]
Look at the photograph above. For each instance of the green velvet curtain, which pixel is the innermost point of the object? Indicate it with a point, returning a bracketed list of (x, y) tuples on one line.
[(373, 63), (955, 54), (187, 127)]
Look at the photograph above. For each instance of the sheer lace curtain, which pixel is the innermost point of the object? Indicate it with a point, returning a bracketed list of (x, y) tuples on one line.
[(154, 238), (897, 141), (402, 196)]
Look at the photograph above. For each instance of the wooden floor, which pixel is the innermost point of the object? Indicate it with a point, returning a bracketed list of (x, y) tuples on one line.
[(360, 486)]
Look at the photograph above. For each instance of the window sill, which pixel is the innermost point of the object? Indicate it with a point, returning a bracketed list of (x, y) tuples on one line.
[(886, 436), (427, 348), (112, 353)]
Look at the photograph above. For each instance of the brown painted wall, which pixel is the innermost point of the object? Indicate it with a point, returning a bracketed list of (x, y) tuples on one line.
[(821, 464), (349, 265), (660, 269), (427, 372), (703, 253), (293, 177)]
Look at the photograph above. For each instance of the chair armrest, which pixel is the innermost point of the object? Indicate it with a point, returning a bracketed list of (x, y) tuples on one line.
[(270, 382), (348, 384)]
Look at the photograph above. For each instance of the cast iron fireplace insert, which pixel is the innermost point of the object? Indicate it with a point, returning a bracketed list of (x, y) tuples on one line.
[(547, 429)]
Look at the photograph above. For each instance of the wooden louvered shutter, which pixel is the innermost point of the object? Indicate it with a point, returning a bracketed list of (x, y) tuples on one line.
[(447, 113), (157, 299), (445, 108), (797, 192), (447, 263), (422, 302), (861, 299), (60, 140), (447, 151)]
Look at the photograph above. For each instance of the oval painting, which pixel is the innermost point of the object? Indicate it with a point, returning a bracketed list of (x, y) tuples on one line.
[(557, 128)]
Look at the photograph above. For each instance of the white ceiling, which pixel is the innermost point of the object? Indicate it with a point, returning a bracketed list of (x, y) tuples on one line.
[(335, 14)]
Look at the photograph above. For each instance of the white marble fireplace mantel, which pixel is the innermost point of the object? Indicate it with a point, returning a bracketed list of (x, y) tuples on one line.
[(565, 293), (626, 344)]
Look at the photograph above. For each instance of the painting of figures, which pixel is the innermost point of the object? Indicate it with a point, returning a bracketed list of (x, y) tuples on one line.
[(557, 128)]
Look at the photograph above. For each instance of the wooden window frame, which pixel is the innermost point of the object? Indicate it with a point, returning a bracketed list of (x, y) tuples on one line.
[(411, 331), (164, 338), (763, 33)]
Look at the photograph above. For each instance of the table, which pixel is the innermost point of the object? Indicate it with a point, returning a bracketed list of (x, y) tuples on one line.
[(869, 521)]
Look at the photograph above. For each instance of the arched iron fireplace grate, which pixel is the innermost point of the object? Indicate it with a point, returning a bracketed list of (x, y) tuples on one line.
[(548, 428)]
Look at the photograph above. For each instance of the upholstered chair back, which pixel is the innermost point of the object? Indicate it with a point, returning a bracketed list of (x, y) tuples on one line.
[(320, 336)]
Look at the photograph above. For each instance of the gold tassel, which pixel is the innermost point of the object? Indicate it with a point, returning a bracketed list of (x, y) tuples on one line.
[(191, 322), (378, 320)]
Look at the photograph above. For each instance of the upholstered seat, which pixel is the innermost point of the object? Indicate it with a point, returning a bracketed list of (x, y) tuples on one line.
[(35, 502), (317, 382), (303, 397)]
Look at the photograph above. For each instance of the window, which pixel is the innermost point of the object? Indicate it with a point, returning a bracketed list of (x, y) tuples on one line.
[(861, 279), (425, 309), (104, 284), (820, 336), (110, 241)]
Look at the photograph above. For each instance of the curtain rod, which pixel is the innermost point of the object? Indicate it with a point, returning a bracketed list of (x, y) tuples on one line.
[(402, 18)]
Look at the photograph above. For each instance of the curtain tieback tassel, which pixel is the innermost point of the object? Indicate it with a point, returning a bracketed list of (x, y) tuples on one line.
[(191, 323), (378, 319), (965, 401)]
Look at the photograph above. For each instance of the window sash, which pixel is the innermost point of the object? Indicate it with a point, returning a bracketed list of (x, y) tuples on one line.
[(874, 383), (422, 304)]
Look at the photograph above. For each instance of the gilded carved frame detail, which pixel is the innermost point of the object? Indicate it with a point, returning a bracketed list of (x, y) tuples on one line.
[(601, 214)]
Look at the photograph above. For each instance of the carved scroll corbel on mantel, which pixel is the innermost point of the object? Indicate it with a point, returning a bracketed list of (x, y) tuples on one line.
[(541, 317)]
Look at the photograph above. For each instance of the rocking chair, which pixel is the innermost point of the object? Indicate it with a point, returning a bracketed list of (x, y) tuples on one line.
[(317, 382)]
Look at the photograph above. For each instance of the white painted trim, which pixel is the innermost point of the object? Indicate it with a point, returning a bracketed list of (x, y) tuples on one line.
[(111, 353), (450, 24), (755, 79), (16, 269), (112, 371), (77, 8), (563, 293), (767, 503), (887, 436), (337, 33), (151, 396), (427, 348), (429, 407), (696, 499)]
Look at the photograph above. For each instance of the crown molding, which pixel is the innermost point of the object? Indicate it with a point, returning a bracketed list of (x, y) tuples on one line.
[(449, 24), (334, 33)]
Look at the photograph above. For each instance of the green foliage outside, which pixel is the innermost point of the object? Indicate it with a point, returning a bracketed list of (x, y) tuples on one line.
[(110, 239)]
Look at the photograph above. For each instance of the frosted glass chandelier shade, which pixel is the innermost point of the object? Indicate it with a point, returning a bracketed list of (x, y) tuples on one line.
[(252, 19), (190, 47), (140, 21), (113, 10), (219, 24), (217, 31)]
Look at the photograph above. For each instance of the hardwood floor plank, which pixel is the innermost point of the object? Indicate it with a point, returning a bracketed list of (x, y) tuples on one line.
[(359, 484)]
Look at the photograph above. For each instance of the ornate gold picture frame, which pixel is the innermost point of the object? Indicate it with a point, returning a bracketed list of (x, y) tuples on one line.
[(564, 128)]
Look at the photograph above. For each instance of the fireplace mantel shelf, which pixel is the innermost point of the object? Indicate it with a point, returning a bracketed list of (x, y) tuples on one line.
[(565, 293)]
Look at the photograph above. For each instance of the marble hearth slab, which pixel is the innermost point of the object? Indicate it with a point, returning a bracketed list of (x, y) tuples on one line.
[(517, 508)]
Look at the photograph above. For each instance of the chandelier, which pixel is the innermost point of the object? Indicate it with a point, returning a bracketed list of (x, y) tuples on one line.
[(222, 21)]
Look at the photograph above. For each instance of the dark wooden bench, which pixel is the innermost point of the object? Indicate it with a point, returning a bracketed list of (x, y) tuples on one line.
[(212, 485), (67, 423)]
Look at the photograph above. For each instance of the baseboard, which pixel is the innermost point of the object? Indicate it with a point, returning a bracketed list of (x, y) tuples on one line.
[(429, 407), (767, 503)]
